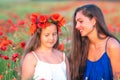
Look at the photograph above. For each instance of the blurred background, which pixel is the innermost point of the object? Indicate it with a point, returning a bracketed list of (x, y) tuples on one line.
[(15, 22)]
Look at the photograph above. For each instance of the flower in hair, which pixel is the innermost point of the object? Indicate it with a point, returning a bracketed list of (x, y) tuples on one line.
[(42, 21)]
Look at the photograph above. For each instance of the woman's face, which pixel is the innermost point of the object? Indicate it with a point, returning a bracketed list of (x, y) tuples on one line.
[(84, 24), (49, 36)]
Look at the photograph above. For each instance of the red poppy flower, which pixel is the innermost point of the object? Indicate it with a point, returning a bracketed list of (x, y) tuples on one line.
[(32, 29), (1, 76), (42, 19), (9, 21), (15, 55), (45, 20), (5, 57), (21, 22), (4, 48), (56, 17), (34, 17), (9, 41), (62, 22), (1, 33), (8, 64), (61, 46), (22, 44), (43, 25), (13, 28)]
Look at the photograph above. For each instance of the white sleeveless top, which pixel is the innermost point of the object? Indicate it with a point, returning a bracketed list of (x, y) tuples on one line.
[(48, 71)]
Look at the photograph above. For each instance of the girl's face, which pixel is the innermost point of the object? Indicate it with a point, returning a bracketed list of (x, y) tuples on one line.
[(49, 36), (84, 24)]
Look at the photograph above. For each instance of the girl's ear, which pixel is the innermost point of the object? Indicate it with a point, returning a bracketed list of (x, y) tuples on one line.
[(93, 20)]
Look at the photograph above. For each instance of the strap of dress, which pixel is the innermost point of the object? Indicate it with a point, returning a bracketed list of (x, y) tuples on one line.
[(35, 55), (63, 56), (106, 44)]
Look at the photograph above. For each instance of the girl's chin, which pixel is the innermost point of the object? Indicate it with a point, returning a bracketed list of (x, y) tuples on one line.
[(50, 45)]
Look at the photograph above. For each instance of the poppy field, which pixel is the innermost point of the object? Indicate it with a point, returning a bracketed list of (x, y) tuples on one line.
[(15, 24)]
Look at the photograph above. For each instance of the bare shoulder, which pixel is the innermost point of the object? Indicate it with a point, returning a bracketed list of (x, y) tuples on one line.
[(113, 43), (29, 58), (113, 46), (59, 52), (28, 66)]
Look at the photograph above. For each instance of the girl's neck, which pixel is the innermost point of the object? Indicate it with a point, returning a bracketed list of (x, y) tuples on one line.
[(45, 50)]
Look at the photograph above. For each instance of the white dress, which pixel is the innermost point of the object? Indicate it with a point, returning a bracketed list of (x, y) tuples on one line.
[(48, 71)]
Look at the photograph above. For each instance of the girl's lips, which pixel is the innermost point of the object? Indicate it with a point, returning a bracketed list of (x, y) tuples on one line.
[(51, 42)]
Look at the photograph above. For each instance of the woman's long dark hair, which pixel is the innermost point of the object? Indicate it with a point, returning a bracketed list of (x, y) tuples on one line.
[(80, 45)]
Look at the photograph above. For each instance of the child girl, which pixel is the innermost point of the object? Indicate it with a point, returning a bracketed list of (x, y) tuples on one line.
[(42, 60)]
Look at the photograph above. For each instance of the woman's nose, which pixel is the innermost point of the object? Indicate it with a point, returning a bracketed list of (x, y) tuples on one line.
[(77, 26)]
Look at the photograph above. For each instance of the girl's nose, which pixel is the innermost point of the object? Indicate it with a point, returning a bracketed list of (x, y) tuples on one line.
[(51, 37)]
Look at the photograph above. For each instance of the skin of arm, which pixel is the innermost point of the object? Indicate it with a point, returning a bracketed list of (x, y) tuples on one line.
[(114, 54), (28, 66), (67, 68)]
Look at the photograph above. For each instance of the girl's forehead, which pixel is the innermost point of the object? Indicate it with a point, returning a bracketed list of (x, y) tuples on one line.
[(51, 28)]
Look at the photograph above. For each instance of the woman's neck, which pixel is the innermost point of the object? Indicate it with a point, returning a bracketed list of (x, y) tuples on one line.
[(96, 42)]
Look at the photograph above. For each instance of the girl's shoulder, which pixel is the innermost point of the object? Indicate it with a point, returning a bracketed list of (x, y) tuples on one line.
[(60, 54), (29, 57)]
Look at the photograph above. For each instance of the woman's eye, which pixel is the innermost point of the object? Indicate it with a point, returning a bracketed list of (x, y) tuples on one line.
[(80, 21), (47, 35)]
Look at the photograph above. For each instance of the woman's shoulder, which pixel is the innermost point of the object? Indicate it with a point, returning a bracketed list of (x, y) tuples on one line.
[(113, 46), (113, 43)]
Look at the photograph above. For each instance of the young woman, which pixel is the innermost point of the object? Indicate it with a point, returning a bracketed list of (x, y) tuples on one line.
[(42, 60), (95, 51)]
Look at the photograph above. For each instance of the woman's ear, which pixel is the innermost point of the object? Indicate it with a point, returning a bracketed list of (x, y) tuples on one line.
[(93, 21)]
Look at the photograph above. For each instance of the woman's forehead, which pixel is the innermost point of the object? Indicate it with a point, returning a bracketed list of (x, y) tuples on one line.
[(80, 16)]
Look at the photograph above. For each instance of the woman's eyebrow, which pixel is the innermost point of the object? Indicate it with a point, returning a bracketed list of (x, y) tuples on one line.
[(78, 19)]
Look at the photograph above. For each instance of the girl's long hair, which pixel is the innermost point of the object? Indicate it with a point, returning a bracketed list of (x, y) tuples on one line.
[(34, 42), (80, 45)]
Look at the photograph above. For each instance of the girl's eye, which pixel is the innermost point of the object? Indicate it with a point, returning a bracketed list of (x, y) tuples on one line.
[(54, 33)]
